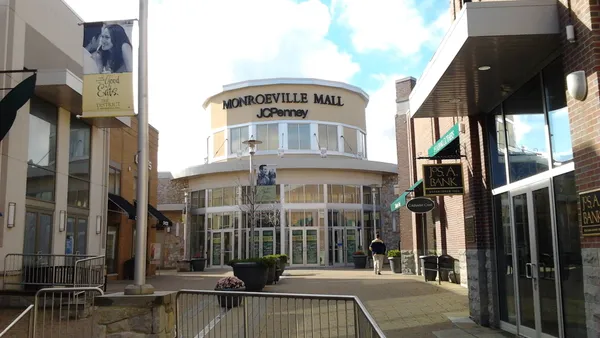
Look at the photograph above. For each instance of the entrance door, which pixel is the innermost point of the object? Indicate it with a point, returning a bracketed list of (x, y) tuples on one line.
[(342, 244), (535, 278), (222, 247), (264, 242), (304, 244)]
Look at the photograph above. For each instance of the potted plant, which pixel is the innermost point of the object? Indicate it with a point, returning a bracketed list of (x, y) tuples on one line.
[(198, 262), (280, 266), (394, 256), (231, 284), (283, 259), (252, 271), (271, 261), (360, 259)]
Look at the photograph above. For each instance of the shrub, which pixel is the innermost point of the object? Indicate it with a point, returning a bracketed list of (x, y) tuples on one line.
[(230, 282), (394, 253), (283, 258), (270, 260), (359, 253)]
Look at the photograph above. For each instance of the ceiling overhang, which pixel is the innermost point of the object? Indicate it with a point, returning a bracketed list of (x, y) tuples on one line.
[(63, 89), (513, 38)]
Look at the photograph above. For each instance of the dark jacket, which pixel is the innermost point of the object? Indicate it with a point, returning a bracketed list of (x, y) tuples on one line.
[(378, 247)]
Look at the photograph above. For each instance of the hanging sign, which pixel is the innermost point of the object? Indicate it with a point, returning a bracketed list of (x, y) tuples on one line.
[(443, 179), (420, 205), (590, 213)]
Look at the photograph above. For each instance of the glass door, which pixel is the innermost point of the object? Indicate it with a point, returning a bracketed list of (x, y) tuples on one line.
[(297, 247), (534, 247), (336, 247), (264, 242), (222, 247), (216, 248), (228, 247), (305, 247)]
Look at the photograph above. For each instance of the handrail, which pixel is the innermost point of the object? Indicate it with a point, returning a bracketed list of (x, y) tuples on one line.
[(369, 317), (14, 322)]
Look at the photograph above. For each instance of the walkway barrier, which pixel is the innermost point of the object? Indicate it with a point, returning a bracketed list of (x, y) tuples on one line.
[(232, 314), (64, 313), (37, 271), (12, 330)]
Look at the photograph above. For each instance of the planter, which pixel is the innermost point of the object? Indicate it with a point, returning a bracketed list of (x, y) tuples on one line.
[(271, 272), (230, 300), (198, 264), (360, 261), (254, 275), (278, 273), (395, 264)]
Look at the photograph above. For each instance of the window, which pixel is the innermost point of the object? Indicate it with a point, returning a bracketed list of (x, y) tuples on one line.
[(307, 218), (41, 160), (197, 236), (76, 241), (38, 232), (362, 144), (497, 139), (260, 196), (308, 193), (226, 220), (269, 135), (219, 197), (368, 195), (236, 137), (114, 181), (299, 136), (558, 114), (79, 164), (198, 199), (328, 137), (504, 256), (350, 141), (343, 194), (218, 144)]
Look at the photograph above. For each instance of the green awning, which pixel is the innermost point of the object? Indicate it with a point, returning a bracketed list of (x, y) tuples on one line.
[(447, 144), (401, 201)]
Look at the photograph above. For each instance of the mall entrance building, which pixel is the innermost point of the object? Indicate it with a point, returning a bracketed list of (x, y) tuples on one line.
[(313, 195), (510, 99)]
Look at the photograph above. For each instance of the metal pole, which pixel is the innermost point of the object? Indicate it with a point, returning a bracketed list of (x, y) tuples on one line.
[(373, 200), (251, 204), (139, 284)]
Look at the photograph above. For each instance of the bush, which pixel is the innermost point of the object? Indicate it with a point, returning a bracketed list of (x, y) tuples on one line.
[(283, 258), (359, 253), (270, 260), (230, 282), (394, 253)]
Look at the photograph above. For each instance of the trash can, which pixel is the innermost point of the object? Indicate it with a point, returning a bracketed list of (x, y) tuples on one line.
[(429, 265)]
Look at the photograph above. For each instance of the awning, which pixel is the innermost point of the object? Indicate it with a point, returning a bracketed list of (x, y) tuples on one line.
[(447, 145), (123, 204), (163, 221), (513, 38), (401, 201)]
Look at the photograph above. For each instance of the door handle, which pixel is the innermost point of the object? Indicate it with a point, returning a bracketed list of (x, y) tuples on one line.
[(528, 268)]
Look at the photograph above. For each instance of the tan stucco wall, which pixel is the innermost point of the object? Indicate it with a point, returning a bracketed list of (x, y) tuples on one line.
[(351, 113)]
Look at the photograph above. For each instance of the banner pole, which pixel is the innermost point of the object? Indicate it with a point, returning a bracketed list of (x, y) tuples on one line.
[(139, 286)]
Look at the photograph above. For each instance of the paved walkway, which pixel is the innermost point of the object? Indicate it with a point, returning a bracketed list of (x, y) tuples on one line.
[(403, 306)]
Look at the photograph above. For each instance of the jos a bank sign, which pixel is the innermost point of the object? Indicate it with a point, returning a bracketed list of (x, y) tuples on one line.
[(282, 98)]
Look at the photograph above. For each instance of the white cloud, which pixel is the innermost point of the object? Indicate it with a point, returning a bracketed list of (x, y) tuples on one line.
[(197, 46), (390, 26)]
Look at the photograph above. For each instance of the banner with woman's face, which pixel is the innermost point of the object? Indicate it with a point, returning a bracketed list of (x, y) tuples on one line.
[(108, 69)]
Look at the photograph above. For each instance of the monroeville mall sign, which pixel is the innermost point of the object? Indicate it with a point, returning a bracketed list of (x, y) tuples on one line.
[(282, 98)]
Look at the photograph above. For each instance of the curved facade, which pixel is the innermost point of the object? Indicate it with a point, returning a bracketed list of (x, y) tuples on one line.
[(312, 193)]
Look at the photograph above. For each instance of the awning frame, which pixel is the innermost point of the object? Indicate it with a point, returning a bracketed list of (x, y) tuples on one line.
[(401, 200), (117, 202)]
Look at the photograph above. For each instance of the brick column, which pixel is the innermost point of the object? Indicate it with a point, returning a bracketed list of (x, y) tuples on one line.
[(406, 177)]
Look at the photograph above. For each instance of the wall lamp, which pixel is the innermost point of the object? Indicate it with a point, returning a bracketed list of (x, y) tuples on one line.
[(62, 219), (12, 210), (98, 224), (577, 85)]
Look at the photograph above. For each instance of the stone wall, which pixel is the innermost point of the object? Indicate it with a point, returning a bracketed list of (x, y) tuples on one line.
[(389, 234), (171, 191)]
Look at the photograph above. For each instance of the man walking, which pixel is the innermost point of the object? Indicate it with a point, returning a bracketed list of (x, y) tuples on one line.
[(378, 248)]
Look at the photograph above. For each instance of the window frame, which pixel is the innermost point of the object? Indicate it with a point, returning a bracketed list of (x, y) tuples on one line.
[(240, 145), (299, 145)]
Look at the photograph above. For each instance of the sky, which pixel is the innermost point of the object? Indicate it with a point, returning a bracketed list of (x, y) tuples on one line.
[(197, 46)]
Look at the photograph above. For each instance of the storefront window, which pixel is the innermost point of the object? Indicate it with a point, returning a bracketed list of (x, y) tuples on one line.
[(504, 256), (236, 137), (569, 249), (343, 193), (299, 136), (41, 169), (328, 137), (525, 125), (558, 114), (268, 134)]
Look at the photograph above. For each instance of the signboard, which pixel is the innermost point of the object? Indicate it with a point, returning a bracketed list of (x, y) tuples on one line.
[(266, 184), (420, 205), (590, 213), (443, 179)]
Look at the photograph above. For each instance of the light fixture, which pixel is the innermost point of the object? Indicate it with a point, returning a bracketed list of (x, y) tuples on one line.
[(252, 143), (577, 85), (12, 206), (484, 68), (62, 219), (98, 224), (570, 31)]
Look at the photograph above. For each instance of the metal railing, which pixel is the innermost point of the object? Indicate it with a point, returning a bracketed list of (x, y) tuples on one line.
[(35, 271), (232, 314), (65, 313), (15, 322)]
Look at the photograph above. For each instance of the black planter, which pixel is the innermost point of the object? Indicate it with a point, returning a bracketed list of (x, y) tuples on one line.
[(278, 273), (395, 264), (230, 300), (254, 275), (198, 264), (360, 261), (271, 273)]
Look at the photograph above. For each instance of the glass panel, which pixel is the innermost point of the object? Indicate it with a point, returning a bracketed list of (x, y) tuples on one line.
[(558, 113), (79, 193), (273, 137), (323, 136), (114, 181), (498, 148), (293, 137), (296, 218), (350, 141), (218, 144), (197, 236), (297, 247), (304, 135), (79, 149), (525, 125), (111, 249), (202, 199), (336, 193), (229, 196), (228, 253), (523, 258), (569, 248), (506, 284), (350, 218), (82, 228), (234, 141), (295, 193), (217, 197), (216, 248), (29, 246), (547, 280), (268, 241), (351, 241), (70, 236), (312, 247), (313, 194), (351, 194), (194, 200), (40, 183), (269, 135), (43, 119)]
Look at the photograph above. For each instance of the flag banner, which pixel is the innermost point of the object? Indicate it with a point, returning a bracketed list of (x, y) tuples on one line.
[(107, 69), (266, 184)]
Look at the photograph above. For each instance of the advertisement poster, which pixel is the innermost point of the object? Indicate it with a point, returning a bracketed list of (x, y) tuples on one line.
[(155, 251), (266, 184), (107, 69)]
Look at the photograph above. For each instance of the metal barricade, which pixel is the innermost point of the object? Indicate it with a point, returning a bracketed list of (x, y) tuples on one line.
[(64, 313), (18, 328), (231, 314), (36, 271)]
